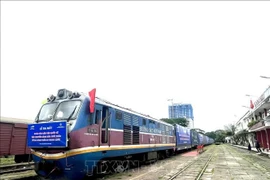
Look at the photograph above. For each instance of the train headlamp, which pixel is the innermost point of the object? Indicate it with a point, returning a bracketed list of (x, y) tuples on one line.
[(51, 98), (64, 94), (76, 94)]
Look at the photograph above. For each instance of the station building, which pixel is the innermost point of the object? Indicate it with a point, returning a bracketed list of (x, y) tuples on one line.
[(255, 123)]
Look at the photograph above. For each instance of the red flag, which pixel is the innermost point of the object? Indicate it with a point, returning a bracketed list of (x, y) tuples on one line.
[(92, 95), (251, 104)]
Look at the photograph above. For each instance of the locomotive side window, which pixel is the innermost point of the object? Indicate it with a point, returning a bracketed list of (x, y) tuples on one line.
[(147, 125), (162, 128), (158, 128), (144, 122), (154, 127), (150, 126), (118, 115), (170, 130), (167, 130), (144, 125), (97, 116)]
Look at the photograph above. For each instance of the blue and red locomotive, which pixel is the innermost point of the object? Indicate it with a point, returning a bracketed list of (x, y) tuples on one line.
[(77, 134)]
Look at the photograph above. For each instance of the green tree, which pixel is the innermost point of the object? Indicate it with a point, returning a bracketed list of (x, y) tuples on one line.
[(199, 130), (230, 128), (211, 134), (220, 135), (181, 121)]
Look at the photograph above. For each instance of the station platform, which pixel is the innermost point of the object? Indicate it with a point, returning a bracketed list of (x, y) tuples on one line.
[(253, 149), (236, 162)]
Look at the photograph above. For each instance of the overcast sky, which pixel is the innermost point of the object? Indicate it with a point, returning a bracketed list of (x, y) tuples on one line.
[(137, 54)]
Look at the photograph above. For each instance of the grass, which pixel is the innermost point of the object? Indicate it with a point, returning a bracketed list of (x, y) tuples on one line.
[(20, 175), (8, 160)]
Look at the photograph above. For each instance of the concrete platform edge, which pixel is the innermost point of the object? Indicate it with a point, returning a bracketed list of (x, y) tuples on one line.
[(267, 154)]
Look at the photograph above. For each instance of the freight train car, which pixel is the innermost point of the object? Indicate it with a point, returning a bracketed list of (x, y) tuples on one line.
[(189, 138), (183, 137), (13, 139), (195, 141), (211, 141), (205, 140)]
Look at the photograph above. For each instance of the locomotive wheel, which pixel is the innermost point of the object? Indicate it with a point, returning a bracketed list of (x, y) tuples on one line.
[(161, 156), (167, 154), (120, 166), (135, 164)]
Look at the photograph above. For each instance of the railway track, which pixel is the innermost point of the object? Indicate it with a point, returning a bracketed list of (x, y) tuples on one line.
[(170, 168), (193, 169), (12, 168)]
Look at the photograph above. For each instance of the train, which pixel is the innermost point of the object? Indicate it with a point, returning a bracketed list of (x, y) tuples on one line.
[(77, 135), (13, 139)]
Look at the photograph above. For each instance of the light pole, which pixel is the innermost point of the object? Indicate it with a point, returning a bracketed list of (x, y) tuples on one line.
[(265, 77), (171, 108), (249, 108), (248, 95)]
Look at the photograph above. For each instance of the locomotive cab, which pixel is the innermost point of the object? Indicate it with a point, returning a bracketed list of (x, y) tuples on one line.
[(51, 133), (64, 106), (54, 121), (65, 124)]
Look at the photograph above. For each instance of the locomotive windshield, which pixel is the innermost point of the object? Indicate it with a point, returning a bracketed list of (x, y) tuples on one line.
[(47, 111), (67, 110)]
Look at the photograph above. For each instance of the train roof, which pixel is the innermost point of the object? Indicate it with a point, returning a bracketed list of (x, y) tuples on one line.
[(107, 103), (183, 127), (16, 120)]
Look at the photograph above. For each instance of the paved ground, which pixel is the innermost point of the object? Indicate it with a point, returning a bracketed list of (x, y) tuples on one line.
[(227, 162), (233, 163)]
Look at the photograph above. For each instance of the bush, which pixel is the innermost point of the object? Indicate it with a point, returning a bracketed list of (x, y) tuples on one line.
[(252, 123)]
